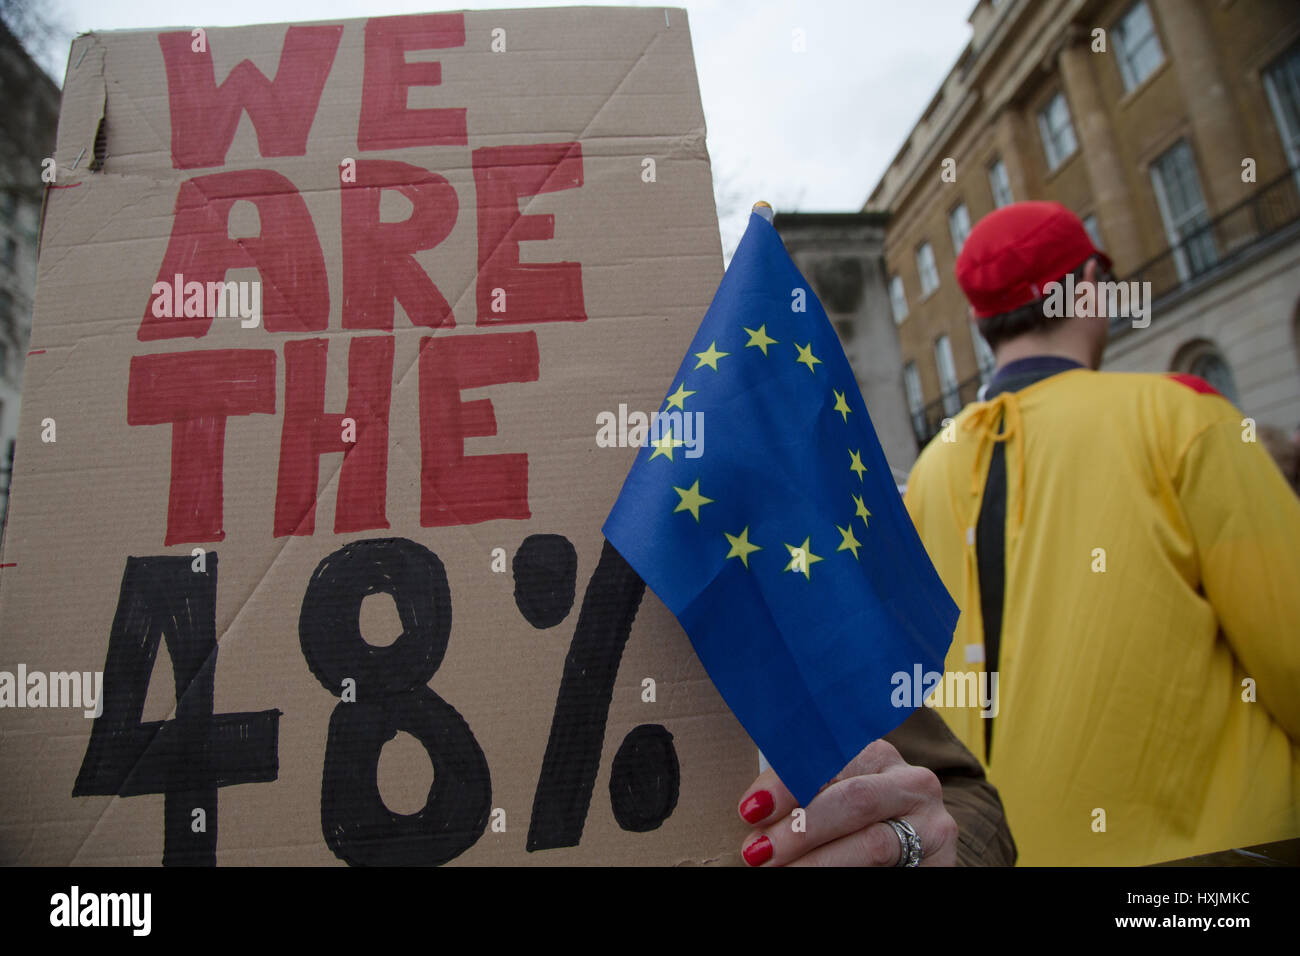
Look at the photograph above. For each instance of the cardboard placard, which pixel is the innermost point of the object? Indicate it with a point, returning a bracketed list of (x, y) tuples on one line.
[(328, 521)]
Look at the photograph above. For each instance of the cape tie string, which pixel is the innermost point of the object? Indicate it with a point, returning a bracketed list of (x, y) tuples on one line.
[(983, 421)]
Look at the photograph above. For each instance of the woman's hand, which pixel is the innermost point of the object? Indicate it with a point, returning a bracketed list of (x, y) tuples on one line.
[(845, 823)]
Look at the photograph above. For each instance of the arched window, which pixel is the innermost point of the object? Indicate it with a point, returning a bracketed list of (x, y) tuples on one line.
[(1202, 358)]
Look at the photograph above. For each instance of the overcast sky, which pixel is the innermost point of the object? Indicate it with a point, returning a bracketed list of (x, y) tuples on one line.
[(811, 131)]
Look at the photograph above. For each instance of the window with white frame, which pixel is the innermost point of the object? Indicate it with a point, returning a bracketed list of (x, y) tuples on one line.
[(1056, 130), (1093, 230), (915, 403), (947, 375), (1000, 184), (898, 299), (1282, 82), (958, 226), (1182, 207), (925, 266), (1137, 46), (983, 355)]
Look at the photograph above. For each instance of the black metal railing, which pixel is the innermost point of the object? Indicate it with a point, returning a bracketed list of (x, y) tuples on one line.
[(1220, 241), (928, 420)]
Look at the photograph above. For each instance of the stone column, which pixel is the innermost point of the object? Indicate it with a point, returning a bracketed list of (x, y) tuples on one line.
[(1101, 157), (841, 254), (1188, 42), (1008, 134)]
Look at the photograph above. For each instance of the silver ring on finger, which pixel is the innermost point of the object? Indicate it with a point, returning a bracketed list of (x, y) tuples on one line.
[(909, 843)]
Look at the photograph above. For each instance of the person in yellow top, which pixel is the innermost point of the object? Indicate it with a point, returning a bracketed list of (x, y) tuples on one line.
[(1127, 561)]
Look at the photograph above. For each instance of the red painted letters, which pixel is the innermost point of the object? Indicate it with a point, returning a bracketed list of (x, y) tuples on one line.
[(386, 123), (196, 392), (378, 265), (287, 254), (309, 432), (456, 488), (534, 291), (205, 115)]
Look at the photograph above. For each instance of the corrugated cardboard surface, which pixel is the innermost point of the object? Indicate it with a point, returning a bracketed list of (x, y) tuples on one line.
[(619, 82)]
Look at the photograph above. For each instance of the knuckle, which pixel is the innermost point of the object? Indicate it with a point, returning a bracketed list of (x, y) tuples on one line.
[(923, 781), (945, 830), (883, 751), (857, 796)]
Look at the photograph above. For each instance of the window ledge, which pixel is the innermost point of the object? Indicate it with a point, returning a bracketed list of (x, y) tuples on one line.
[(1124, 101), (1053, 173)]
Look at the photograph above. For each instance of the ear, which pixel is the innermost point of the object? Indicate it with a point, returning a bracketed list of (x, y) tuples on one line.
[(1087, 281)]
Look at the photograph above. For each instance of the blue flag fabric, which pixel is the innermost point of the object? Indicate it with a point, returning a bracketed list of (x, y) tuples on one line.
[(780, 542)]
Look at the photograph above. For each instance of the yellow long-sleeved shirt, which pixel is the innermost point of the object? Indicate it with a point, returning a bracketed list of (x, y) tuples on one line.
[(1127, 690)]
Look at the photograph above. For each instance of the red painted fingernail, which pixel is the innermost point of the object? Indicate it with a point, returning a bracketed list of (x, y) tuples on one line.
[(756, 806), (758, 852)]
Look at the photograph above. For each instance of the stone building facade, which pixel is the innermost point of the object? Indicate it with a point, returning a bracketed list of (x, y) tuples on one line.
[(841, 255), (1172, 127), (29, 112)]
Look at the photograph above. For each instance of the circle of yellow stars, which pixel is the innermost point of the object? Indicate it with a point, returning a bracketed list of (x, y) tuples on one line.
[(691, 500)]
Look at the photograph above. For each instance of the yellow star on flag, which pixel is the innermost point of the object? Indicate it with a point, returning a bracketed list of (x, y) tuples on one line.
[(665, 445), (801, 558), (806, 356), (849, 543), (710, 356), (692, 500), (740, 546), (678, 398), (862, 511), (841, 405), (758, 338), (855, 463)]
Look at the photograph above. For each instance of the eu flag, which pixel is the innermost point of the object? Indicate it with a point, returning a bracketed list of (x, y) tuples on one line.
[(780, 541)]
